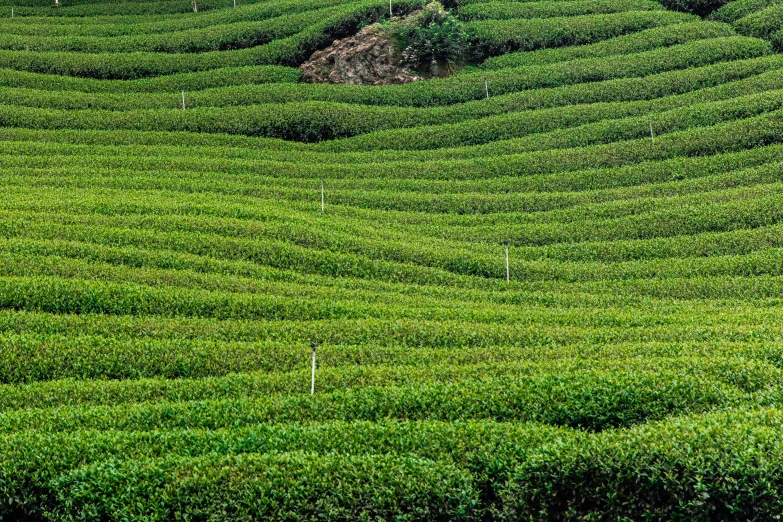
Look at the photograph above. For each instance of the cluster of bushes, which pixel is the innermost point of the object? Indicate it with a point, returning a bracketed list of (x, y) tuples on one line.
[(761, 24), (735, 10), (171, 84), (496, 37), (286, 51), (223, 37), (119, 25), (739, 378), (723, 466), (161, 279), (646, 40), (724, 137), (143, 10), (482, 450), (269, 487), (592, 400), (619, 322), (524, 123), (310, 122), (550, 9), (694, 468), (67, 169)]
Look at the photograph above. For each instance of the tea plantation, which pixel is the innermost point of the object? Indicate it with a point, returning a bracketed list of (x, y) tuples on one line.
[(167, 259)]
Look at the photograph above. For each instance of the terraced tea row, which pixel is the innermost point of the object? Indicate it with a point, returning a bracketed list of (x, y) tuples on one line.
[(181, 217)]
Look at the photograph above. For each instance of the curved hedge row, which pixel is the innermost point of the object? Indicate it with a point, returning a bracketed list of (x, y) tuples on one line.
[(495, 37), (286, 51), (733, 11), (161, 283), (317, 121), (484, 448), (590, 400), (721, 138), (518, 124), (748, 376), (133, 8), (713, 467), (269, 487), (171, 84), (550, 9), (653, 85), (761, 24), (646, 40), (224, 37), (118, 25)]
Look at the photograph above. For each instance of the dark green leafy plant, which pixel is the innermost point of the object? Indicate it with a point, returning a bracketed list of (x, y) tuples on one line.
[(432, 40)]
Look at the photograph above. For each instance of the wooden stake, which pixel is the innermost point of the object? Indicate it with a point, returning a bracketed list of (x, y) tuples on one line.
[(183, 99), (323, 200), (314, 346), (486, 87), (508, 273), (652, 136)]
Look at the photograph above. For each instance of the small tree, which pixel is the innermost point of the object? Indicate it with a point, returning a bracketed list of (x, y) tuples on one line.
[(431, 39)]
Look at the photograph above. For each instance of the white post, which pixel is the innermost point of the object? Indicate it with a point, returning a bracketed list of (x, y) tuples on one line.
[(508, 273), (312, 377), (195, 7), (486, 87), (390, 9), (183, 99), (652, 136), (322, 195), (57, 3), (235, 3)]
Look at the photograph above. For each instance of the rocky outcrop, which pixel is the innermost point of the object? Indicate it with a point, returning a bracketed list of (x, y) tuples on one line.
[(368, 58)]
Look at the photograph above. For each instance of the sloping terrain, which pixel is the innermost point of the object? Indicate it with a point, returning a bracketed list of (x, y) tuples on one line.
[(166, 262)]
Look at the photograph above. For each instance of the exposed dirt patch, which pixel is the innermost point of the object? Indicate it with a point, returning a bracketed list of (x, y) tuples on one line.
[(370, 57)]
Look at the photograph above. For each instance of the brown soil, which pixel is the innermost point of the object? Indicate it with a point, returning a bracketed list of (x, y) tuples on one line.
[(367, 58)]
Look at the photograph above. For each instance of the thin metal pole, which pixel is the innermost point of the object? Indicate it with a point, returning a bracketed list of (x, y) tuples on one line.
[(508, 273), (486, 87), (652, 136), (322, 195), (183, 98), (312, 377)]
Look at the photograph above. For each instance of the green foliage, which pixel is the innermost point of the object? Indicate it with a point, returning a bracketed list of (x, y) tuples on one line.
[(496, 37), (603, 400), (549, 9), (720, 466), (647, 40), (269, 487), (288, 50), (490, 450), (164, 270), (315, 121), (430, 40), (736, 9), (698, 7)]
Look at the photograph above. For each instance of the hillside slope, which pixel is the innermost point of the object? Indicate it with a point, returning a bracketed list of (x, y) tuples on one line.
[(167, 259)]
